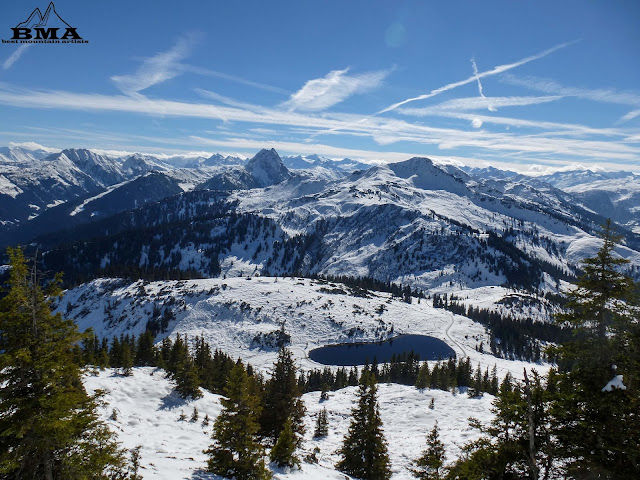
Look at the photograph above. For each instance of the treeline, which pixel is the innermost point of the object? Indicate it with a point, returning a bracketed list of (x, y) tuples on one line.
[(360, 286), (511, 338), (191, 368), (406, 369), (199, 366)]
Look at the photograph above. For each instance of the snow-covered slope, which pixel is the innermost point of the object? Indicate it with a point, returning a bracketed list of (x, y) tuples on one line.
[(243, 316), (617, 198), (148, 411)]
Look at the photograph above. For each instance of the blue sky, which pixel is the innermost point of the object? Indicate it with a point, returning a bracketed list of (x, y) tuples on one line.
[(522, 84)]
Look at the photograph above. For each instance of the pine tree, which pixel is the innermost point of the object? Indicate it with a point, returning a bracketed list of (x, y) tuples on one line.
[(518, 443), (422, 381), (364, 449), (322, 425), (600, 431), (186, 377), (126, 360), (282, 399), (429, 466), (283, 452), (236, 451), (146, 352), (49, 427)]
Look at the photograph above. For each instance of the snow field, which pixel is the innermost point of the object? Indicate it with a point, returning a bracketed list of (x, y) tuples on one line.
[(148, 413)]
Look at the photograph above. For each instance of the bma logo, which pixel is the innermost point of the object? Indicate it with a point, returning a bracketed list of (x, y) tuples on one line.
[(47, 28)]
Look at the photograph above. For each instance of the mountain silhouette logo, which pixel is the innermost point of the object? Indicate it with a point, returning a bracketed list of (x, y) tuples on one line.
[(36, 19), (49, 27)]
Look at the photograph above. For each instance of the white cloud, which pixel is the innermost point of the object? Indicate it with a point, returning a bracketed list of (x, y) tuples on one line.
[(573, 143), (32, 146), (333, 88), (157, 69), (629, 116), (477, 103), (15, 56), (232, 78), (604, 95)]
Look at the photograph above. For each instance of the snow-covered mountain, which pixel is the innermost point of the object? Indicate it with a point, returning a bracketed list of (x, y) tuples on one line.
[(267, 169), (263, 170), (412, 222), (138, 164), (300, 162)]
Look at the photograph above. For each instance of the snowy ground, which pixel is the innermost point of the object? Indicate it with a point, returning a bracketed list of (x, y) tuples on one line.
[(148, 415)]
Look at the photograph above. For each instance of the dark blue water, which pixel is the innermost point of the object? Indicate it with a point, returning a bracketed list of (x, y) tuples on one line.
[(350, 354)]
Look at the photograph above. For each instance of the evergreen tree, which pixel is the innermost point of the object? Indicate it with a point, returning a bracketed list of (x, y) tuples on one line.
[(236, 451), (518, 443), (573, 427), (322, 425), (364, 449), (146, 352), (126, 360), (186, 377), (430, 464), (282, 399), (283, 452), (49, 427), (599, 430), (422, 381)]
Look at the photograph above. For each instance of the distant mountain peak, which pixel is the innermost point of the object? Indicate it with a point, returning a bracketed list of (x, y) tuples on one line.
[(422, 172), (267, 168)]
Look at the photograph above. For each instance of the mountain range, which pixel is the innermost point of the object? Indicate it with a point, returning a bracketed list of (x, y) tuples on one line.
[(432, 227)]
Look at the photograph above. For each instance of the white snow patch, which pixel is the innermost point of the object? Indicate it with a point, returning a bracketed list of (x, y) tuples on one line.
[(615, 382)]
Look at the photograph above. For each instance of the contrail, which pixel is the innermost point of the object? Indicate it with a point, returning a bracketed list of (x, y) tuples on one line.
[(475, 72), (13, 58), (476, 77), (451, 86)]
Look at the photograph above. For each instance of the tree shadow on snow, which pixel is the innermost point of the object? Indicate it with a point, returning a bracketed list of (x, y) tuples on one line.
[(173, 400), (204, 475)]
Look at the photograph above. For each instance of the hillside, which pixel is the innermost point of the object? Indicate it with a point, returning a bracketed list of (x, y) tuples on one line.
[(148, 415)]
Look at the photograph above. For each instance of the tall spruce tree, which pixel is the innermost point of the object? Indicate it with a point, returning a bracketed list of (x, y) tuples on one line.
[(322, 425), (236, 450), (282, 399), (49, 427), (572, 426), (429, 466), (518, 443), (599, 430), (283, 452), (364, 449)]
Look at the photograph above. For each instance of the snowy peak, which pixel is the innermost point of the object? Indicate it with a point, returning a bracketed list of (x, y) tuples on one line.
[(299, 162), (20, 155), (103, 170), (267, 169), (425, 175), (568, 179), (138, 164)]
